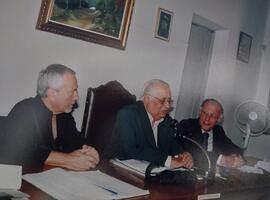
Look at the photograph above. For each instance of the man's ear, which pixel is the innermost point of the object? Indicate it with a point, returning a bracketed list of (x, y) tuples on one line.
[(51, 93), (220, 119), (145, 99)]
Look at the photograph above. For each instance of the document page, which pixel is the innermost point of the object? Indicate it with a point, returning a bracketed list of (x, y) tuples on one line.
[(10, 176), (13, 194), (137, 166), (70, 185), (263, 165), (250, 169)]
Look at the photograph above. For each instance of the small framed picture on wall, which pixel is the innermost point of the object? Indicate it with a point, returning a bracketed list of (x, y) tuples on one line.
[(244, 47), (163, 24)]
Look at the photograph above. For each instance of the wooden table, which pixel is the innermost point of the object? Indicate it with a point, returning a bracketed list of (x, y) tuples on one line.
[(239, 186)]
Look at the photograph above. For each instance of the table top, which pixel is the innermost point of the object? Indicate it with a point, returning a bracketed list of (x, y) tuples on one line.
[(238, 185)]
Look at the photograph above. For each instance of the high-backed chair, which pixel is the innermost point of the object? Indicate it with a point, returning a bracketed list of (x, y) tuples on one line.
[(2, 123), (101, 107), (2, 131)]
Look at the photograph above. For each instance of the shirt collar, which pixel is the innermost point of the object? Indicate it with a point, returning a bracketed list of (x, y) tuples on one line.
[(209, 132), (156, 123)]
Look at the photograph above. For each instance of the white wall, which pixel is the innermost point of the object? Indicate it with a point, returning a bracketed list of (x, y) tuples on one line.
[(24, 51)]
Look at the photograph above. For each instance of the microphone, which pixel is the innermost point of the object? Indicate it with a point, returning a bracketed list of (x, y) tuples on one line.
[(174, 124)]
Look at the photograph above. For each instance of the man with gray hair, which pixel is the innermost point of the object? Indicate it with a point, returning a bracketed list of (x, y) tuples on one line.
[(143, 131), (42, 130), (207, 132)]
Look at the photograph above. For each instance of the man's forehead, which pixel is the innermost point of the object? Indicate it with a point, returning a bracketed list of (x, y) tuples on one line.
[(211, 107), (161, 88)]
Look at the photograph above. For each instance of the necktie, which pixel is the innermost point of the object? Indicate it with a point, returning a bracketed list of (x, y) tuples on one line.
[(205, 140)]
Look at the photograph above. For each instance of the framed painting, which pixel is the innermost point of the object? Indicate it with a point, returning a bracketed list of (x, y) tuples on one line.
[(105, 22), (163, 24), (244, 47)]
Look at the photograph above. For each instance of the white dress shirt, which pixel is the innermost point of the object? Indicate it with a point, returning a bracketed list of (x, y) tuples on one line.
[(210, 140), (154, 125)]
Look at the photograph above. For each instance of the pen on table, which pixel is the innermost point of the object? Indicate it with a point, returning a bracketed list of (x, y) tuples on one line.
[(109, 190)]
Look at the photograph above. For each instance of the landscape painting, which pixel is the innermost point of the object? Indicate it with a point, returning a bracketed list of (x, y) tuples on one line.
[(101, 21)]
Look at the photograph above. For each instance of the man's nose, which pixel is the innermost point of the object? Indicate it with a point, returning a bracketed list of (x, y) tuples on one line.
[(207, 117), (76, 96), (167, 104)]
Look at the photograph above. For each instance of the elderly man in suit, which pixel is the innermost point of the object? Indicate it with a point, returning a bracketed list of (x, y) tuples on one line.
[(142, 130), (207, 132)]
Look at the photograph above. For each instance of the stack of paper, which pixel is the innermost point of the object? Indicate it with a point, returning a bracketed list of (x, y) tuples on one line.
[(10, 182), (250, 169), (13, 194), (10, 176), (94, 185), (263, 165), (136, 166)]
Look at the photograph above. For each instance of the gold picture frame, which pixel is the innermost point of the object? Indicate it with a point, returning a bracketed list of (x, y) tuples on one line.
[(104, 22)]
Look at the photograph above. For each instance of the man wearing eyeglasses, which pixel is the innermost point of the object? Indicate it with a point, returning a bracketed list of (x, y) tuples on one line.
[(207, 132), (142, 130)]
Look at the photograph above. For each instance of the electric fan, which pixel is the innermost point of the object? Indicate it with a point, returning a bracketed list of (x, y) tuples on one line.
[(252, 119)]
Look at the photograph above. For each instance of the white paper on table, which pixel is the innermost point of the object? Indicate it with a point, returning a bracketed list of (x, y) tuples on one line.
[(16, 194), (250, 169), (10, 176), (138, 166), (263, 165), (94, 185)]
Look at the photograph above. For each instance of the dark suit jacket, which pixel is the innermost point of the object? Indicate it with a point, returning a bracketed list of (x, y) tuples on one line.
[(133, 137), (221, 143)]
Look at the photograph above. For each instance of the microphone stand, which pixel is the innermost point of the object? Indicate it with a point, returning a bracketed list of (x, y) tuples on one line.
[(175, 126), (207, 173)]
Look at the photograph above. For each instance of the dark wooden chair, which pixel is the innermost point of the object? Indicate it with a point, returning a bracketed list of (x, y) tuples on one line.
[(3, 120), (101, 107), (2, 124)]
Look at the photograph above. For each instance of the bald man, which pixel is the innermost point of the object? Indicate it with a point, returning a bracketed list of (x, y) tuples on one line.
[(142, 131), (207, 132)]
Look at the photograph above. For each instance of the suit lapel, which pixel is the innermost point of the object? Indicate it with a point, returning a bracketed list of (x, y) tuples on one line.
[(215, 138), (198, 132), (146, 125)]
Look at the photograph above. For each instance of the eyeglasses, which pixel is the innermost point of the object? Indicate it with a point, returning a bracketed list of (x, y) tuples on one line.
[(210, 115), (162, 101)]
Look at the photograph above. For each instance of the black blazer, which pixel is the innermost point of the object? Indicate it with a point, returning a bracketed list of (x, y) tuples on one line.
[(221, 143), (133, 137)]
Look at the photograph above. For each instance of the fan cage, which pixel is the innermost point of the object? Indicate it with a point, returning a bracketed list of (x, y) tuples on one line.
[(260, 114)]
